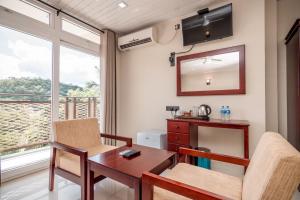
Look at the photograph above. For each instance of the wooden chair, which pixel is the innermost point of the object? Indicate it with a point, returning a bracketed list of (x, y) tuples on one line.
[(74, 142), (273, 173)]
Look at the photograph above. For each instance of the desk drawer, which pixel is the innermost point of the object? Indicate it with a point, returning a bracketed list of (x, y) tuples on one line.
[(178, 127), (179, 138), (175, 147)]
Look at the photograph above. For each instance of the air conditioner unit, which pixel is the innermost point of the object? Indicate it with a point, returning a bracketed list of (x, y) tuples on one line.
[(140, 38)]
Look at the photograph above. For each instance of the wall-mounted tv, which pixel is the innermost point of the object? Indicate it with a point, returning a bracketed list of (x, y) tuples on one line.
[(208, 25)]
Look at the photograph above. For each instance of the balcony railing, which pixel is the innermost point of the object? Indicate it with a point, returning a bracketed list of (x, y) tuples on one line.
[(25, 120)]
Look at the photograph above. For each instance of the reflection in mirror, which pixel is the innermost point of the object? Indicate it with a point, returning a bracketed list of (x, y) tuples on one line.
[(216, 72)]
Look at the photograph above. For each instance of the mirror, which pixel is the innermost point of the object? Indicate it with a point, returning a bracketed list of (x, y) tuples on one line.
[(218, 72)]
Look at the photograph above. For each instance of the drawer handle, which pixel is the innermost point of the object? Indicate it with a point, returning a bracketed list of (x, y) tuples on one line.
[(177, 127)]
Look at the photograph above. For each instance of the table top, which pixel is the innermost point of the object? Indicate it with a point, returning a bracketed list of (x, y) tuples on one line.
[(146, 161), (213, 121)]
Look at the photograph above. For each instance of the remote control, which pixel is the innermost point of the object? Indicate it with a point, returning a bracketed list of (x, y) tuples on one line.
[(124, 152), (132, 153)]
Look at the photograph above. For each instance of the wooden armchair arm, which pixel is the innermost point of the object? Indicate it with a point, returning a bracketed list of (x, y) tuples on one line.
[(83, 154), (120, 138), (214, 156), (150, 179), (73, 150)]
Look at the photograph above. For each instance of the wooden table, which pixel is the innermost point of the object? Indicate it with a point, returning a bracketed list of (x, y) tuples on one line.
[(129, 171), (184, 132)]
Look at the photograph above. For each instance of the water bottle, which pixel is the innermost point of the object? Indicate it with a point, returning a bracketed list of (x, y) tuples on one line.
[(227, 113), (222, 113)]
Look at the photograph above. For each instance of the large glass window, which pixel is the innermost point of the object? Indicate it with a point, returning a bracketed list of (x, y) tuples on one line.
[(27, 9), (79, 84), (26, 68), (25, 94)]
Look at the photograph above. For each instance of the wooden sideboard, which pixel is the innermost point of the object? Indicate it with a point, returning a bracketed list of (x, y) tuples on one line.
[(184, 132)]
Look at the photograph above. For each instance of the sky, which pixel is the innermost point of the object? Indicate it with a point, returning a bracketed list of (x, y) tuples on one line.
[(23, 55)]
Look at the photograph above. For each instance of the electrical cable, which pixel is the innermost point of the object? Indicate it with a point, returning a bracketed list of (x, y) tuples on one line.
[(172, 55), (174, 114), (168, 42), (186, 50)]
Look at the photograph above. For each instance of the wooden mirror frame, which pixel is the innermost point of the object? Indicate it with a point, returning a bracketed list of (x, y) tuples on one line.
[(242, 76)]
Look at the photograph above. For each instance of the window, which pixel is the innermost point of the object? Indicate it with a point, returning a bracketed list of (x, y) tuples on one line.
[(25, 95), (79, 84), (27, 9), (80, 31), (28, 103)]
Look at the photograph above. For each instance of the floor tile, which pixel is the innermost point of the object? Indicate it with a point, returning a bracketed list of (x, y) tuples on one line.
[(35, 187)]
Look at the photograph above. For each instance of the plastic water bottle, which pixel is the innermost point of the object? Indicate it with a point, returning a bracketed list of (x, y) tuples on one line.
[(222, 112), (227, 113)]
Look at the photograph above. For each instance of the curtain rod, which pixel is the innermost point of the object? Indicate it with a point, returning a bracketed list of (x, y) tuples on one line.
[(61, 11)]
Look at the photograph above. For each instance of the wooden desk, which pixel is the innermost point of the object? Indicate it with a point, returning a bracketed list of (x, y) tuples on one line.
[(184, 132), (128, 171)]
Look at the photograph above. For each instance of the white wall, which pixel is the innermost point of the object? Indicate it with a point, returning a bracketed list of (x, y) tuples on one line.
[(271, 66), (148, 84)]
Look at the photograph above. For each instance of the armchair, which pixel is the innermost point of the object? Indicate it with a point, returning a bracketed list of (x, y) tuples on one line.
[(273, 173), (74, 142)]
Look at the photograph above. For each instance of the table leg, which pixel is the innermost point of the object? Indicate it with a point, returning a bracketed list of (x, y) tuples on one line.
[(137, 189), (174, 161), (90, 185), (246, 145), (246, 142)]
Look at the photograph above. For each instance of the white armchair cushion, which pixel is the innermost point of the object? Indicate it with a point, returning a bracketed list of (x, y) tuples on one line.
[(212, 181), (274, 170), (71, 162)]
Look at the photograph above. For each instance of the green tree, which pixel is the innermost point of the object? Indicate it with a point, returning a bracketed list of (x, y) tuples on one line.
[(91, 89), (38, 87)]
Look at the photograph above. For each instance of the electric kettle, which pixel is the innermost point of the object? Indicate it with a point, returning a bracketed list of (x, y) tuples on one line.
[(204, 112)]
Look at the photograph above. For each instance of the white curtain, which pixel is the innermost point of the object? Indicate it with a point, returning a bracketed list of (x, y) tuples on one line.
[(108, 83)]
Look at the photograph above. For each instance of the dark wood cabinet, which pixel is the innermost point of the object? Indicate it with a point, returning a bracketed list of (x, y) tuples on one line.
[(184, 132), (293, 84), (181, 134)]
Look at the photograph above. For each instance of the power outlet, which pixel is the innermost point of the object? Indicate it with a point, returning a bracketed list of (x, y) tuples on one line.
[(172, 108), (172, 59)]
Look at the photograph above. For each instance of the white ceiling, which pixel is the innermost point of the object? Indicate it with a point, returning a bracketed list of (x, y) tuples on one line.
[(138, 14)]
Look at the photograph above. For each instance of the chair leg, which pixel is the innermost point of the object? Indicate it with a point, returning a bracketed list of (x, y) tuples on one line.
[(90, 185), (83, 177), (83, 192), (51, 179), (51, 168), (147, 191)]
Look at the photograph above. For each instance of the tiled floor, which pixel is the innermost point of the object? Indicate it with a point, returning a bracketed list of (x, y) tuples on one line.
[(35, 187)]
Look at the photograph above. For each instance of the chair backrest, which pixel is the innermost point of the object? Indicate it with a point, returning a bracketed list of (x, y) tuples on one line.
[(77, 133), (274, 170)]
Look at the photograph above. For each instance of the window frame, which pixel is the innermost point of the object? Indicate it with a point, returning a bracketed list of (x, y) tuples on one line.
[(36, 5), (80, 25), (53, 33)]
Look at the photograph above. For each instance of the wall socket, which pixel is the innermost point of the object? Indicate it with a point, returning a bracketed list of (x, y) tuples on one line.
[(172, 108), (172, 59)]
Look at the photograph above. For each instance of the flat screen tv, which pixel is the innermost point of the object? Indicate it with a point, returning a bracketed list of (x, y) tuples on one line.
[(210, 25)]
